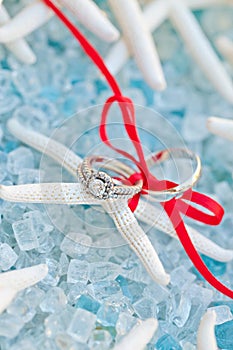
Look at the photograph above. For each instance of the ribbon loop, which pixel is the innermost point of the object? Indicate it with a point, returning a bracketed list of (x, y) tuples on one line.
[(197, 214)]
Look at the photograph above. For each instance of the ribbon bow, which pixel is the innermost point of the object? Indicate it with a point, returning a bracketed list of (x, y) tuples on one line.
[(174, 208)]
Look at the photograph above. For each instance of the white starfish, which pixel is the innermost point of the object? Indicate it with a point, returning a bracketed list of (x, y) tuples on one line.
[(37, 13), (125, 221), (14, 281), (73, 193), (225, 47), (19, 47), (139, 336), (152, 215), (139, 41), (205, 336), (221, 127), (154, 13)]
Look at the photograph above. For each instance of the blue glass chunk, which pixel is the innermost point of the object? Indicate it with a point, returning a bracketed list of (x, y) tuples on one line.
[(167, 342), (10, 146), (104, 289), (216, 267), (88, 303), (8, 256), (147, 91), (131, 289), (219, 303), (50, 92), (81, 325), (224, 336), (107, 315)]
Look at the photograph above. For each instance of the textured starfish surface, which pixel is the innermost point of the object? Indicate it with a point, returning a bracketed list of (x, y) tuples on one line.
[(124, 219), (15, 281), (36, 13), (136, 25)]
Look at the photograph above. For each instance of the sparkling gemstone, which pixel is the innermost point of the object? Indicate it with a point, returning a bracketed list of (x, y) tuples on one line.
[(97, 187)]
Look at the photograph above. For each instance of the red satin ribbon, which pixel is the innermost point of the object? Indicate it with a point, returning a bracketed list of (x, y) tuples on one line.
[(175, 207)]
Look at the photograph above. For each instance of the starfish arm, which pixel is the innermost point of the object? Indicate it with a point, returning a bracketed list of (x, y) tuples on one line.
[(6, 297), (18, 47), (154, 216), (154, 14), (206, 336), (50, 147), (13, 282), (139, 40), (225, 47), (26, 21), (37, 13), (200, 4), (129, 228), (139, 336), (23, 278), (117, 57), (221, 127), (50, 193), (151, 216), (200, 48), (89, 14)]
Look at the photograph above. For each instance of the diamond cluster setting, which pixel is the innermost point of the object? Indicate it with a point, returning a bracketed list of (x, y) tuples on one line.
[(100, 185)]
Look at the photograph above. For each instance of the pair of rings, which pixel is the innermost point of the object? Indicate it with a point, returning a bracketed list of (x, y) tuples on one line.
[(102, 186)]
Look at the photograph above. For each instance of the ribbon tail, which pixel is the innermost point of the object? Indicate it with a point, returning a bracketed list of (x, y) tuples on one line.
[(155, 216), (175, 217)]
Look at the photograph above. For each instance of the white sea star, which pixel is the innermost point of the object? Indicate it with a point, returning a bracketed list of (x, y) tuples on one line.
[(221, 127), (225, 47), (36, 14), (125, 221), (142, 333), (19, 47), (136, 26), (138, 40), (205, 336), (12, 282), (139, 336)]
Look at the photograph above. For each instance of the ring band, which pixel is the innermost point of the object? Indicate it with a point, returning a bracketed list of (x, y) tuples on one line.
[(100, 184), (175, 153), (158, 158)]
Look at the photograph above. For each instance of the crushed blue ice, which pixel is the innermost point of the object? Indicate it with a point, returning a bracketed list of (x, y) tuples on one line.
[(93, 296)]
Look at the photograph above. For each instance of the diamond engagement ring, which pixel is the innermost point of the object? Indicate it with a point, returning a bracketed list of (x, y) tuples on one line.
[(100, 184)]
